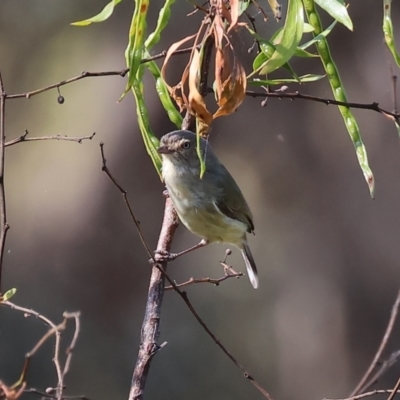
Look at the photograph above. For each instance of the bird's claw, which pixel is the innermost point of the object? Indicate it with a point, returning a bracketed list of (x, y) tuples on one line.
[(163, 256)]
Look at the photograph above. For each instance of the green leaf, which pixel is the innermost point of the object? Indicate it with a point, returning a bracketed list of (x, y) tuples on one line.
[(135, 49), (340, 95), (7, 295), (243, 6), (292, 33), (321, 36), (150, 140), (337, 10), (307, 28), (102, 16), (397, 126), (304, 54), (300, 79), (163, 19), (163, 93), (388, 30)]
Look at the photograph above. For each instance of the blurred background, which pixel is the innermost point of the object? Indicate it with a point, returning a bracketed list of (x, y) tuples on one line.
[(328, 255)]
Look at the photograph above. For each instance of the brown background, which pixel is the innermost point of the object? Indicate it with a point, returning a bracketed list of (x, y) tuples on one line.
[(328, 255)]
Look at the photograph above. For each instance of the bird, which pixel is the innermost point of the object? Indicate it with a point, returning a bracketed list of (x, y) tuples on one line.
[(211, 206)]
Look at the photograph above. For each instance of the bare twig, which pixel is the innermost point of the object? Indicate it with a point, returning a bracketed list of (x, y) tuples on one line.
[(395, 390), (229, 272), (367, 394), (125, 196), (86, 74), (393, 358), (215, 281), (297, 95), (3, 216), (24, 138), (381, 347), (56, 331), (52, 396)]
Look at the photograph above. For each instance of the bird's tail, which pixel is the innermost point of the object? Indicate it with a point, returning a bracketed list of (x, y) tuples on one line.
[(250, 265)]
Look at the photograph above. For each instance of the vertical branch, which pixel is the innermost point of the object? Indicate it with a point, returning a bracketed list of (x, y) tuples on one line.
[(3, 220), (151, 323)]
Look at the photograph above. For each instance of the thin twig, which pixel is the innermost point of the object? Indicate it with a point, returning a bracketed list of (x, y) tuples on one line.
[(54, 330), (217, 341), (381, 347), (395, 390), (385, 366), (86, 74), (215, 281), (3, 216), (52, 396), (297, 95), (76, 317), (229, 273), (125, 197), (24, 138), (366, 394)]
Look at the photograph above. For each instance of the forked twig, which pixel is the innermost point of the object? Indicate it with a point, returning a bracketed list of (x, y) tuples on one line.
[(229, 272), (56, 331)]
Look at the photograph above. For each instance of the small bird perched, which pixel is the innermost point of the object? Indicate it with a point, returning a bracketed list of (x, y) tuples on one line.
[(213, 206)]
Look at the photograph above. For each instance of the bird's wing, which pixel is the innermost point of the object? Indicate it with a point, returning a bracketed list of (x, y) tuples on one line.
[(231, 201)]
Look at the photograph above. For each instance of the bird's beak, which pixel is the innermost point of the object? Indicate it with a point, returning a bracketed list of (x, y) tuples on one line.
[(164, 150)]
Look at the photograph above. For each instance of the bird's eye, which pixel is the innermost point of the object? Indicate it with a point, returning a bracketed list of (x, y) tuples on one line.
[(186, 145)]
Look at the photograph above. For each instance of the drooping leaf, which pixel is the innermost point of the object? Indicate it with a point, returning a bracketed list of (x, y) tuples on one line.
[(340, 95), (388, 30), (321, 36), (197, 106), (291, 35), (104, 14), (163, 19), (135, 49), (337, 10)]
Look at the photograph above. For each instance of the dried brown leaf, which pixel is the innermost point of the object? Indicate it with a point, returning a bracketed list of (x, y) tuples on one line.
[(233, 90), (197, 106), (234, 13), (176, 91), (222, 70)]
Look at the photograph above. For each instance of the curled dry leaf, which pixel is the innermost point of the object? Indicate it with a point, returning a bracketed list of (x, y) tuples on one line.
[(197, 106), (230, 82), (176, 91)]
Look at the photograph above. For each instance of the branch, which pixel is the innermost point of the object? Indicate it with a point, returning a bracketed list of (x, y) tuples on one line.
[(24, 138), (3, 216), (297, 95), (361, 385), (56, 331), (228, 270), (151, 323), (86, 74)]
